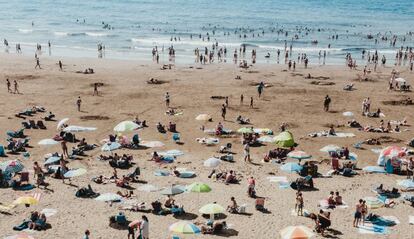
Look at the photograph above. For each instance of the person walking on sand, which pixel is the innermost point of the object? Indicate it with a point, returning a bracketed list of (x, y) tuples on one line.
[(167, 100), (223, 111), (95, 89), (38, 63), (8, 86), (60, 65), (241, 99), (16, 87), (251, 102), (226, 102), (260, 88), (326, 103), (78, 103)]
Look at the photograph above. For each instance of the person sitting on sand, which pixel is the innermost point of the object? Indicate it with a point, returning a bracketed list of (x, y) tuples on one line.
[(242, 120), (338, 199), (216, 227), (324, 221), (219, 129), (169, 202), (156, 157), (233, 207), (38, 224), (230, 177), (123, 182), (331, 200), (175, 172), (331, 131), (161, 128)]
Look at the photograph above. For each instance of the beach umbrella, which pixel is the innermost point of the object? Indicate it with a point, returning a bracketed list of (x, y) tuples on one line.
[(126, 126), (203, 117), (212, 208), (26, 200), (61, 123), (330, 148), (212, 162), (348, 114), (373, 202), (11, 166), (245, 130), (52, 160), (75, 173), (400, 80), (266, 139), (77, 129), (152, 144), (390, 152), (407, 184), (296, 232), (198, 188), (374, 169), (291, 167), (174, 190), (184, 227), (111, 146), (297, 154), (108, 197), (172, 153), (148, 188), (47, 142), (134, 223), (20, 236)]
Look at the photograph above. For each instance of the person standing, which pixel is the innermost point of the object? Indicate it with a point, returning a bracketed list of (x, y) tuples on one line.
[(144, 227), (260, 88), (16, 87), (60, 65), (358, 213), (251, 102), (38, 172), (299, 203), (326, 103), (167, 100), (95, 89), (246, 151), (241, 99), (64, 149), (132, 227), (8, 86), (223, 112), (78, 103)]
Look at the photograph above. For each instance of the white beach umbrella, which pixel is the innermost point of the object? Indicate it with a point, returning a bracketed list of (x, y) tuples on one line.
[(212, 162), (47, 142), (203, 117), (61, 122), (148, 188), (126, 126)]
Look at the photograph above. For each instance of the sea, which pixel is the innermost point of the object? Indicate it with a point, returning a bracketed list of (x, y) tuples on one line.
[(130, 29)]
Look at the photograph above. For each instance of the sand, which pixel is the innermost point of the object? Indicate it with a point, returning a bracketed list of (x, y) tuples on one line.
[(125, 94)]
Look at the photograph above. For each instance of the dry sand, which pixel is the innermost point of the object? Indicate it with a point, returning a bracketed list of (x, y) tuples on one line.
[(292, 99)]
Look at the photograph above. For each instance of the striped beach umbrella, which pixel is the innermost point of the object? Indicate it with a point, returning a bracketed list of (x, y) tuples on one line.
[(11, 166), (296, 232), (297, 154), (373, 202), (184, 227)]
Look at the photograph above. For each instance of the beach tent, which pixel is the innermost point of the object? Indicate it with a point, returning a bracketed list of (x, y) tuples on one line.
[(285, 139)]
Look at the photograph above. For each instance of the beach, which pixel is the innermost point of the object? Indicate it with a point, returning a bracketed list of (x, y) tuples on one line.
[(289, 97)]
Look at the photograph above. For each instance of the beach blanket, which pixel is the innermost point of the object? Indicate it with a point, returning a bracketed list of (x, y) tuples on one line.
[(337, 135), (280, 180)]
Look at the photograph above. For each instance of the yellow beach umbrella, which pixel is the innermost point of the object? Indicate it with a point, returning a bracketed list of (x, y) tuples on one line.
[(211, 208), (27, 200)]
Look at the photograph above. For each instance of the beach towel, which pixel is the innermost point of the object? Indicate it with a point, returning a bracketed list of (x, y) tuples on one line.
[(370, 228), (280, 180), (49, 212)]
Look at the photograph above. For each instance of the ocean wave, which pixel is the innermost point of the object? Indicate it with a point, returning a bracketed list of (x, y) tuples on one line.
[(98, 34), (25, 30), (70, 33)]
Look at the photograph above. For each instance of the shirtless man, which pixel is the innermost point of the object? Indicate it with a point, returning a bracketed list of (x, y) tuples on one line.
[(358, 212)]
